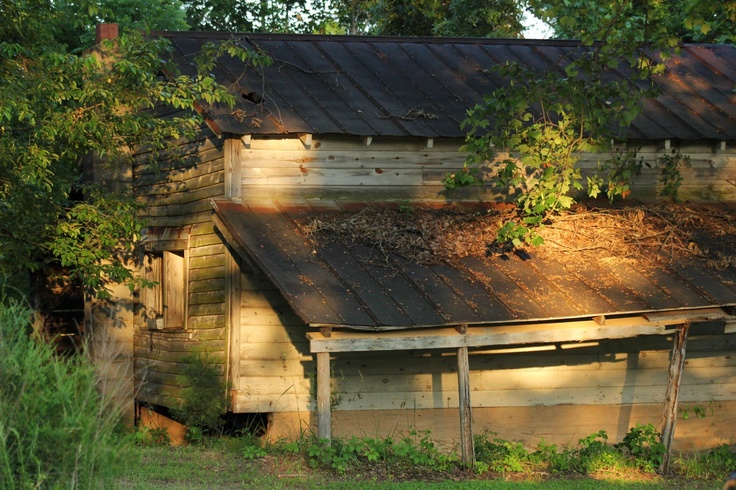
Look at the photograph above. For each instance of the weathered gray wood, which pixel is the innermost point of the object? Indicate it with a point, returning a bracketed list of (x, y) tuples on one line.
[(677, 365), (179, 220), (448, 338), (324, 416), (216, 271), (232, 289), (206, 322), (466, 413), (207, 250), (232, 168), (207, 297)]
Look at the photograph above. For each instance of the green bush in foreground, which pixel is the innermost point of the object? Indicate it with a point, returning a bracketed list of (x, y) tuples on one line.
[(415, 456), (640, 450), (55, 429)]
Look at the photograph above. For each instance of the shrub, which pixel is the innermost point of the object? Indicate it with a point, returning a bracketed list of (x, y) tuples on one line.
[(56, 430), (204, 399), (644, 446)]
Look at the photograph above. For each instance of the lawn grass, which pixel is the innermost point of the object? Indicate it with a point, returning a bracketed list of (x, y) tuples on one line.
[(221, 466)]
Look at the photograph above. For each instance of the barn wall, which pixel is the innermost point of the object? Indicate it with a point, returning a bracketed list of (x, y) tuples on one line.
[(276, 371), (175, 190), (610, 385), (391, 168), (560, 395)]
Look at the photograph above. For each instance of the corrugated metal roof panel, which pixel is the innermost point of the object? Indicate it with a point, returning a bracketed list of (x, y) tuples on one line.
[(376, 86), (347, 284)]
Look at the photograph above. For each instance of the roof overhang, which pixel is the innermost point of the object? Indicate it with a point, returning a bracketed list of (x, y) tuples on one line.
[(346, 285)]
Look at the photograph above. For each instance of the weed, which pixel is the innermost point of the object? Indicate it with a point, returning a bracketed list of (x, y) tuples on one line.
[(501, 456), (700, 411), (643, 444), (640, 449), (56, 429), (405, 207), (146, 436), (414, 450), (709, 465), (252, 448)]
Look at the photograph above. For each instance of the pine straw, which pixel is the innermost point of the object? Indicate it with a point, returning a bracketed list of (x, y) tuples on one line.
[(653, 231)]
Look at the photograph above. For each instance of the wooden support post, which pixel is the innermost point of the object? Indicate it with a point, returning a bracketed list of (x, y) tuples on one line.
[(232, 168), (466, 414), (677, 364), (232, 287), (324, 417)]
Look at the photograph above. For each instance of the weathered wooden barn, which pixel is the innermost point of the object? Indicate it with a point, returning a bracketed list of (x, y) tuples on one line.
[(348, 338)]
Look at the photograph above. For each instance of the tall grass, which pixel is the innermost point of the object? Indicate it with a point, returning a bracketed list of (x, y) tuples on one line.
[(56, 430)]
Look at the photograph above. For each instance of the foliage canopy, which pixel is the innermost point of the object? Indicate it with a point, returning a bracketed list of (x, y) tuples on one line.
[(56, 109), (539, 123)]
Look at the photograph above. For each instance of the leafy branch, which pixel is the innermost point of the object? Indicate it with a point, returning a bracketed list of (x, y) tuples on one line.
[(533, 130)]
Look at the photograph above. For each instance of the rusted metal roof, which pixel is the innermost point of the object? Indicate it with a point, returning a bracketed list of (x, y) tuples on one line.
[(347, 284), (377, 86)]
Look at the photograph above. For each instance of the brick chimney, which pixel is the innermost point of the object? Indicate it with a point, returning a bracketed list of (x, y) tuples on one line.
[(105, 31)]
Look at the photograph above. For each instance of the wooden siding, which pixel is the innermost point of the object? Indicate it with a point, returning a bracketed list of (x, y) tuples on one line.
[(611, 373), (370, 391), (176, 193), (626, 377), (277, 371), (391, 168)]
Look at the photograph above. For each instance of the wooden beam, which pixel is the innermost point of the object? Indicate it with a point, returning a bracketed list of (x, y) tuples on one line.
[(324, 415), (677, 365), (430, 143), (367, 140), (466, 413), (231, 155), (247, 139), (306, 140), (681, 316), (232, 288), (449, 338)]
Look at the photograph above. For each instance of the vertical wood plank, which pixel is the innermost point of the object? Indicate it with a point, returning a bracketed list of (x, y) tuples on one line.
[(173, 278), (324, 417), (232, 168), (233, 324), (466, 414), (677, 365)]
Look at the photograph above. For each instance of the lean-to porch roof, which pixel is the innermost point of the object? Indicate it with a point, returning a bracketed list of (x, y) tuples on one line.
[(345, 284)]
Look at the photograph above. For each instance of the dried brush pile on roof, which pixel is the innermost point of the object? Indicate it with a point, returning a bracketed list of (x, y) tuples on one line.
[(652, 231)]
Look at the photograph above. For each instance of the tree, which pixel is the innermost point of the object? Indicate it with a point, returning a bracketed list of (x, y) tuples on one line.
[(461, 18), (163, 15), (73, 21), (56, 108), (688, 20), (479, 18), (288, 16), (547, 119)]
